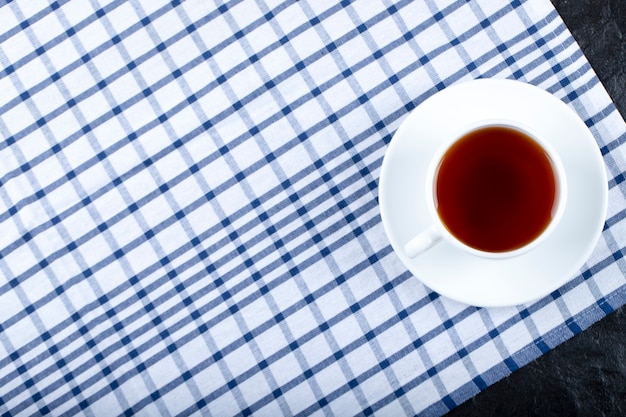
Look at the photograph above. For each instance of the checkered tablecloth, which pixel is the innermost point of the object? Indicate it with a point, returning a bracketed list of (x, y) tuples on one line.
[(189, 221)]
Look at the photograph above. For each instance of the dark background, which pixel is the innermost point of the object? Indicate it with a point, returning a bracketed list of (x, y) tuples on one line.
[(586, 375)]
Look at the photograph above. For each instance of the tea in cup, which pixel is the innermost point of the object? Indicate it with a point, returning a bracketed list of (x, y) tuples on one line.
[(495, 190)]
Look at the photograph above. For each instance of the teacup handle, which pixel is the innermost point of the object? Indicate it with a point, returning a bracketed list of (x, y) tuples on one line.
[(422, 242)]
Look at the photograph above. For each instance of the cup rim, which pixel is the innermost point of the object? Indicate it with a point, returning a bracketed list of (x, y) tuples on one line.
[(557, 166)]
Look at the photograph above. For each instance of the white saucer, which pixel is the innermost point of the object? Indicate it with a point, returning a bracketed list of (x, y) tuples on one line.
[(470, 279)]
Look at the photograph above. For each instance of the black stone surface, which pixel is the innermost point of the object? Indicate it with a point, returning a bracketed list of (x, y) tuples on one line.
[(586, 375), (599, 27)]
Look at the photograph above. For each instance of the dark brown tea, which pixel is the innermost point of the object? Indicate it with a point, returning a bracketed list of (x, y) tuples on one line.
[(495, 189)]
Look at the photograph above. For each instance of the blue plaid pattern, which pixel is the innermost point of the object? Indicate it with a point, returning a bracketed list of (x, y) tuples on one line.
[(189, 220)]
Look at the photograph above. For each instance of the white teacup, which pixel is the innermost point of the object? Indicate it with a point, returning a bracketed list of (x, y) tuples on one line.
[(441, 228)]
